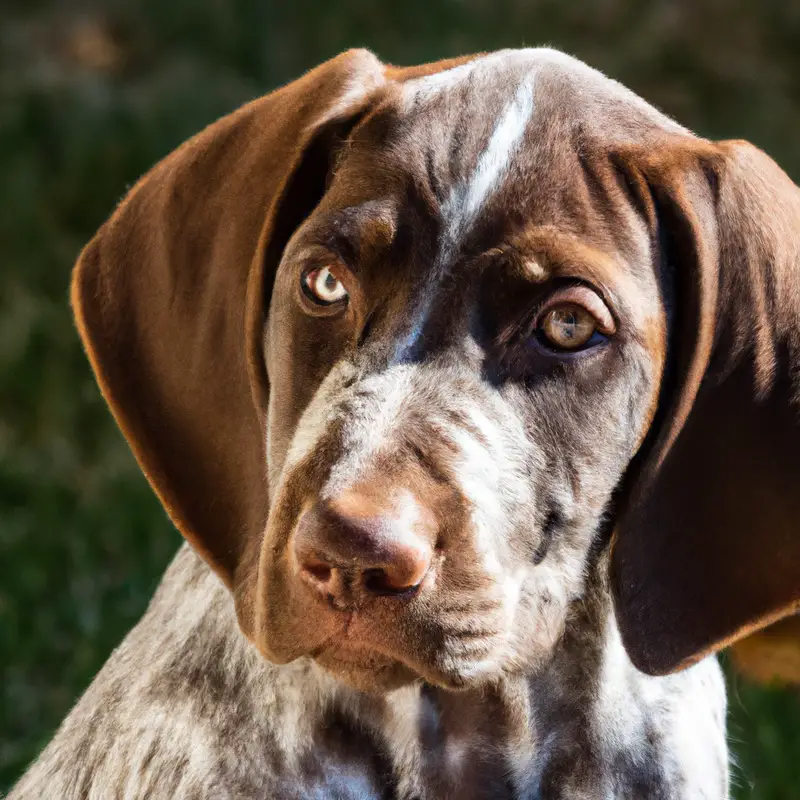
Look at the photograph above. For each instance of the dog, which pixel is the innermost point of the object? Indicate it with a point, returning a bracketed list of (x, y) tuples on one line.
[(472, 387)]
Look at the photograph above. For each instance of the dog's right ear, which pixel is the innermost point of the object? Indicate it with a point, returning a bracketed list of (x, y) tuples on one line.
[(170, 298)]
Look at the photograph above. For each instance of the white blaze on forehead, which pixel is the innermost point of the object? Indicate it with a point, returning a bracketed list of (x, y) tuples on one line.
[(465, 202), (466, 199), (497, 72)]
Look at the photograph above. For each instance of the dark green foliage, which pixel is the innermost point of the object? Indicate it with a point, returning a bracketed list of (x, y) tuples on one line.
[(91, 94)]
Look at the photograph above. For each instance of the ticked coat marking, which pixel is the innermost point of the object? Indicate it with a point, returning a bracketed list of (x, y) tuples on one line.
[(168, 718), (453, 202)]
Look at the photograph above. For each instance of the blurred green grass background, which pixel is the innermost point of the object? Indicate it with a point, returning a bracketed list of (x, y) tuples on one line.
[(92, 94)]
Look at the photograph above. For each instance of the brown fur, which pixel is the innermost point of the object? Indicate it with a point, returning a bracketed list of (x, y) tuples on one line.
[(453, 200)]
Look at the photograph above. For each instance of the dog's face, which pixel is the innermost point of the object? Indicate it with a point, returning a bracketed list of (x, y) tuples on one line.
[(463, 364), (400, 349)]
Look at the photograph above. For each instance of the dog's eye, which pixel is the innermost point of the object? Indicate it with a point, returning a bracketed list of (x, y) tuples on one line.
[(322, 287), (574, 319), (568, 327)]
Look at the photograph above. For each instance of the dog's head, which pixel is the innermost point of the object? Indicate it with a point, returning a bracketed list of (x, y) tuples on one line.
[(401, 349)]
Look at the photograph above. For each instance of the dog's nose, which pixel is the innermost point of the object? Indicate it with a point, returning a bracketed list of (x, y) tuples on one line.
[(358, 544)]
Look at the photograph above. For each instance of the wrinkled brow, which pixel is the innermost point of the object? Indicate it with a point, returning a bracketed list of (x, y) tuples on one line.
[(355, 233)]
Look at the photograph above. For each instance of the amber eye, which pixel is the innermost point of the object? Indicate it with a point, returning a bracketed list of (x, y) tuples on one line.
[(568, 327), (575, 318), (322, 287)]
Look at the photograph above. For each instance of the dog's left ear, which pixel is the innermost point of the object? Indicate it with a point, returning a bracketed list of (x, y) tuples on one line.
[(171, 294), (707, 542)]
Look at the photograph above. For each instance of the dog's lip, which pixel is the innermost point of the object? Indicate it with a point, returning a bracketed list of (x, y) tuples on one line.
[(340, 660), (362, 656), (363, 639)]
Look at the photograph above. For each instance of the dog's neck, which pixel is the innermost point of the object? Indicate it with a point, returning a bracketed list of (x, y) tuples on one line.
[(434, 742), (194, 710), (423, 736)]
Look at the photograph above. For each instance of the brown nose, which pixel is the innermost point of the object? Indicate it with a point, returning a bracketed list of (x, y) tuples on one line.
[(357, 544)]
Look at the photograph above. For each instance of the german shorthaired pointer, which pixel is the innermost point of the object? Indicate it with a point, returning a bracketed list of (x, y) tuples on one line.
[(471, 387)]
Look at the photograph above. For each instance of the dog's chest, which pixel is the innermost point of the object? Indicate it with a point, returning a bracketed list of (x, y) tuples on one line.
[(348, 762), (427, 744)]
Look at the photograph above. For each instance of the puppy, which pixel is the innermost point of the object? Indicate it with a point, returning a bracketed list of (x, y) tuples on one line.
[(471, 387)]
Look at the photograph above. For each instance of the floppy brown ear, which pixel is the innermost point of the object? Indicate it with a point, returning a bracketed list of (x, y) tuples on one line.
[(707, 543), (171, 293)]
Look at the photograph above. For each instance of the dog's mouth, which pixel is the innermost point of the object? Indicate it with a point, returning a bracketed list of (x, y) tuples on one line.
[(382, 592), (368, 670), (380, 661), (387, 641), (457, 634)]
